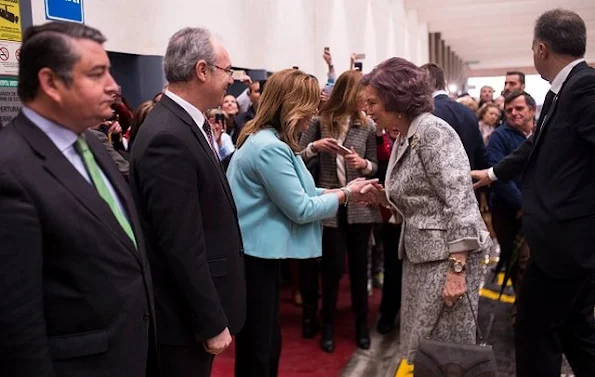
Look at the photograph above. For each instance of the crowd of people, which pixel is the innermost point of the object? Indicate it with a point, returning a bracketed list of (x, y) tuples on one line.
[(140, 242)]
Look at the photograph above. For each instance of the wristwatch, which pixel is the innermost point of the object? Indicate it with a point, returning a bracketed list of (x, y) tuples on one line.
[(457, 266)]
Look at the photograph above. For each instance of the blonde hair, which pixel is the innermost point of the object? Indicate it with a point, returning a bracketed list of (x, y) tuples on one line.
[(290, 96), (344, 102), (469, 102)]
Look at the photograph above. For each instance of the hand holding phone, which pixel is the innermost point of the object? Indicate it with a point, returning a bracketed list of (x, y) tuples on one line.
[(343, 151)]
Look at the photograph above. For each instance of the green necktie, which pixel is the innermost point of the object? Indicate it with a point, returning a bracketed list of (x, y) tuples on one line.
[(89, 160)]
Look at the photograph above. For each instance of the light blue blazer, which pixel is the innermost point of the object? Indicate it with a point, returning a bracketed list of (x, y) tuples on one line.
[(279, 206)]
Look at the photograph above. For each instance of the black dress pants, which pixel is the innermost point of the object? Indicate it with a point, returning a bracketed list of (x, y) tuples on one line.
[(258, 344), (555, 317), (353, 240), (309, 271), (507, 226), (184, 361), (393, 273)]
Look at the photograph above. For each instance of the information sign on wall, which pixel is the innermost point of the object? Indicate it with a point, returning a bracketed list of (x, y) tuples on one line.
[(9, 57), (65, 10), (10, 20), (10, 105)]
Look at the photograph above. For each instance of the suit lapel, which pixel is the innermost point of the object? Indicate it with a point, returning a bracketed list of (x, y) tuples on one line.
[(396, 155), (117, 181), (186, 118), (63, 171), (400, 149), (552, 109)]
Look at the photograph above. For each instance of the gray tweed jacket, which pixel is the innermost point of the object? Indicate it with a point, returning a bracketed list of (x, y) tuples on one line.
[(363, 139)]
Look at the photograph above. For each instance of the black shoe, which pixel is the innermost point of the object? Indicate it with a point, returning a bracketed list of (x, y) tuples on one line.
[(310, 328), (385, 326), (362, 335), (327, 341)]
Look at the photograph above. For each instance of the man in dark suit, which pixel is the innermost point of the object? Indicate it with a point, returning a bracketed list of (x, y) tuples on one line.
[(459, 116), (187, 210), (558, 166), (75, 284)]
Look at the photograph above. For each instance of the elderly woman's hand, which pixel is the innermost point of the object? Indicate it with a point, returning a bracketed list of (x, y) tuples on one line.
[(362, 190), (378, 193), (454, 288)]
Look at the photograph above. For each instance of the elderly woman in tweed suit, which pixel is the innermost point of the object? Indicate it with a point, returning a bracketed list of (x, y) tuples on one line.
[(429, 188), (341, 123)]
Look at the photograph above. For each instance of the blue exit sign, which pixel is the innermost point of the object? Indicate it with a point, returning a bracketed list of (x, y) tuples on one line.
[(65, 10)]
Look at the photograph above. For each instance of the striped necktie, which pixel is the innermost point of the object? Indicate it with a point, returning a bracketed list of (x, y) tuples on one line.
[(207, 128)]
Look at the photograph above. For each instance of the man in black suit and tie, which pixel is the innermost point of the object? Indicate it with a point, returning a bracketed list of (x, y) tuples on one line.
[(458, 116), (187, 210), (75, 288), (557, 164)]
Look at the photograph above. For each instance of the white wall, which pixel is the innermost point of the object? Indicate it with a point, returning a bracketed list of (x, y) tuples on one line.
[(534, 85), (270, 34)]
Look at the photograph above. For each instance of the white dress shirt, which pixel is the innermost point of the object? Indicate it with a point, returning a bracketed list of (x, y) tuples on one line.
[(439, 92), (557, 83), (64, 139), (196, 115)]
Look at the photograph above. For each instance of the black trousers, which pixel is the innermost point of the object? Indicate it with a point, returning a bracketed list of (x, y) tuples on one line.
[(506, 225), (353, 240), (309, 271), (393, 273), (184, 361), (258, 344), (555, 317)]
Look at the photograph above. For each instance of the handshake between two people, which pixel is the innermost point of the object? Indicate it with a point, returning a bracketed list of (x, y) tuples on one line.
[(367, 192)]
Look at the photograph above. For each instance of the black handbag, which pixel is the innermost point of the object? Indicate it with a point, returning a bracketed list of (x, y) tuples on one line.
[(436, 358)]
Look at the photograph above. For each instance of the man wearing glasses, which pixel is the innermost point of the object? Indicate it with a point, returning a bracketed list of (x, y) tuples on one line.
[(187, 210)]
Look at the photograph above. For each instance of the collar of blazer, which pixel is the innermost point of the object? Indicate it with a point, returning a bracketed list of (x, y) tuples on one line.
[(61, 169), (186, 118), (403, 145), (551, 111)]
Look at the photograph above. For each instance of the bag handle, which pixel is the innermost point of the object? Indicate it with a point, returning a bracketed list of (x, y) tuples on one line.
[(478, 331)]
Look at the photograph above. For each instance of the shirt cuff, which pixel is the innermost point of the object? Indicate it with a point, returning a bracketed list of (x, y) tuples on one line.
[(466, 244), (492, 175), (308, 153), (368, 168)]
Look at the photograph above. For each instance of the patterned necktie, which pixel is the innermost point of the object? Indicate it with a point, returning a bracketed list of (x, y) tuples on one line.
[(93, 169), (207, 128)]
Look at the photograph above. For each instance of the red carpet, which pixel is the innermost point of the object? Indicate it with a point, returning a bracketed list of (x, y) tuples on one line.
[(303, 357)]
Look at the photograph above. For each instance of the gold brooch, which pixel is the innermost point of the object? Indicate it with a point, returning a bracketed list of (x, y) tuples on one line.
[(414, 141)]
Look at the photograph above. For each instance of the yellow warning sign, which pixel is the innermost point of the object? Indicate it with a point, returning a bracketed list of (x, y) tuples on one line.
[(10, 20)]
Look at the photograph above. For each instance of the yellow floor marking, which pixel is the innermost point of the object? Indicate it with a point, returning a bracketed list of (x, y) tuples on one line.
[(487, 293), (405, 369), (501, 280)]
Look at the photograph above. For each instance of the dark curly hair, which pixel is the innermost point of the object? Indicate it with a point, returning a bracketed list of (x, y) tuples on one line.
[(402, 86)]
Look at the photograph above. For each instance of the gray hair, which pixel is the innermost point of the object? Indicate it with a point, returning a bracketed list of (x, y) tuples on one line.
[(185, 48)]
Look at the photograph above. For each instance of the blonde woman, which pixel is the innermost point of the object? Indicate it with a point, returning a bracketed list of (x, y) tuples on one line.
[(345, 142), (279, 210)]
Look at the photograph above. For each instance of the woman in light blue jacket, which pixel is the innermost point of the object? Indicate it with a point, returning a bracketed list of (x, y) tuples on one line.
[(279, 210)]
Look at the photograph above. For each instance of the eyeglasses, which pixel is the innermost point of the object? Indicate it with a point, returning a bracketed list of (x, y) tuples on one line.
[(229, 71)]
